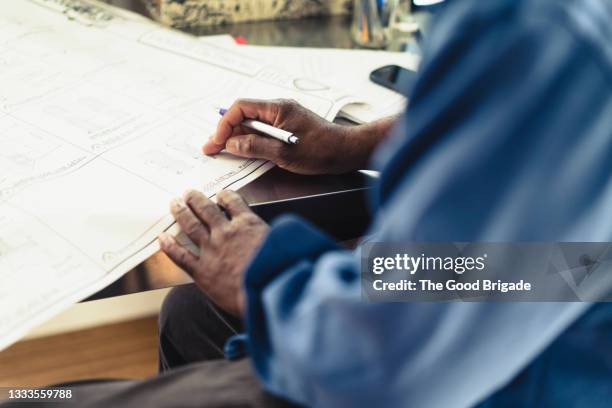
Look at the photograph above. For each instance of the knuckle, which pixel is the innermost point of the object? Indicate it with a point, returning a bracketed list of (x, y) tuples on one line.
[(208, 207), (246, 144), (278, 102), (191, 195), (238, 102), (230, 193), (226, 231), (212, 214), (286, 106), (193, 228), (223, 197), (170, 249), (183, 260), (233, 195), (288, 101), (181, 216), (179, 211), (233, 199), (292, 105), (223, 194), (275, 107), (250, 218)]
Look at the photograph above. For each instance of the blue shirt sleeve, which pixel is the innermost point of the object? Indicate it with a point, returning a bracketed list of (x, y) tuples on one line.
[(506, 138)]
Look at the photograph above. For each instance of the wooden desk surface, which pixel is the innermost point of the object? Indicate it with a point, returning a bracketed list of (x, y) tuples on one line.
[(341, 205)]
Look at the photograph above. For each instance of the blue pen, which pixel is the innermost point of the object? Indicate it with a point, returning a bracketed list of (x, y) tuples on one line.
[(266, 129)]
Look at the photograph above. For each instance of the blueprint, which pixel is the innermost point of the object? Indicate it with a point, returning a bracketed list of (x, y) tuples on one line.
[(102, 118), (344, 68)]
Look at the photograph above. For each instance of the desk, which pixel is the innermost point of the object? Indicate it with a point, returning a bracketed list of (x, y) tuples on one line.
[(334, 203)]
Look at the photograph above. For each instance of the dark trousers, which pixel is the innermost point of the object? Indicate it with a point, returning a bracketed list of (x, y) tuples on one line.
[(192, 328), (193, 373)]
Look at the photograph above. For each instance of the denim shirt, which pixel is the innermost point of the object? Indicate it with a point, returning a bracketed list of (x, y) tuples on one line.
[(507, 137)]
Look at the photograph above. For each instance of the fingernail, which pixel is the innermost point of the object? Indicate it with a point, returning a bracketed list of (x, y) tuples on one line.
[(163, 239), (231, 145), (209, 148), (187, 194), (177, 204)]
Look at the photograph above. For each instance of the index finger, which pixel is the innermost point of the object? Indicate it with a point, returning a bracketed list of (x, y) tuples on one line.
[(232, 202), (242, 109)]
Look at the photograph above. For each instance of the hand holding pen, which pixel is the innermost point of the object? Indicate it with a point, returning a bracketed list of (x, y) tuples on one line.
[(323, 148), (266, 129)]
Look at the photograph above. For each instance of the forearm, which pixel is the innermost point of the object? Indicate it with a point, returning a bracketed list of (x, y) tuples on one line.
[(361, 141), (381, 128)]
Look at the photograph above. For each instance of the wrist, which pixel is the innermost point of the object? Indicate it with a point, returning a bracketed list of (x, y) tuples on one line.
[(241, 303), (359, 142)]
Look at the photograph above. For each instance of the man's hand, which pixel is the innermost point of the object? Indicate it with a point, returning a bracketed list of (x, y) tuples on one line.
[(227, 240), (324, 147)]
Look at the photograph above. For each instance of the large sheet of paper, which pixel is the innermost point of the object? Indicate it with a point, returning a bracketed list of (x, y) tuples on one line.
[(343, 68), (102, 116)]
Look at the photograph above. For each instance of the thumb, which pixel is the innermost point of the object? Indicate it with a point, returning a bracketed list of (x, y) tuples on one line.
[(255, 146), (211, 148)]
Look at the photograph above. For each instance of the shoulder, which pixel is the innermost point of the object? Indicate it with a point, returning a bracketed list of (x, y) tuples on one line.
[(595, 12), (587, 24)]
